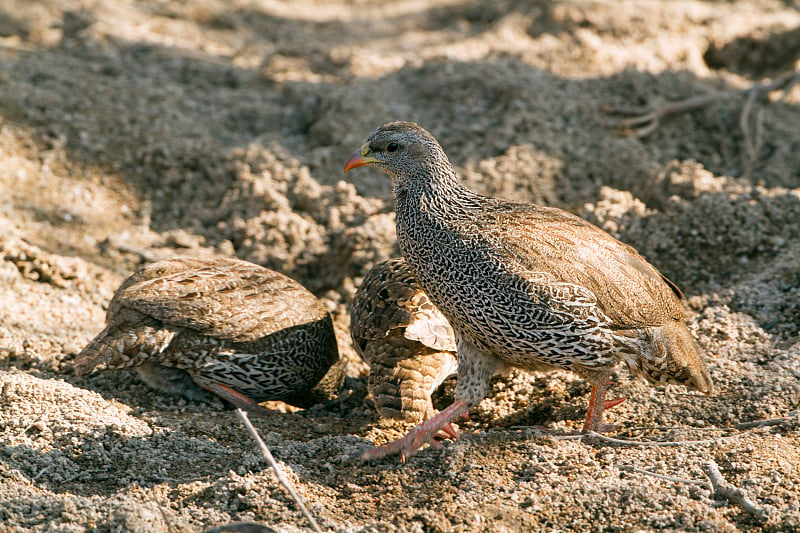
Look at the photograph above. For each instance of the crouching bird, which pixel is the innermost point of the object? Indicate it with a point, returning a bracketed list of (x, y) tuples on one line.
[(406, 341), (241, 331), (527, 286)]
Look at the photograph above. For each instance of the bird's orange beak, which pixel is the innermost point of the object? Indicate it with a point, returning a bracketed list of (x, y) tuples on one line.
[(359, 159)]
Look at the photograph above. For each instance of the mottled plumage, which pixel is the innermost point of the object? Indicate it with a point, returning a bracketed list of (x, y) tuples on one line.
[(242, 331), (527, 286), (407, 342)]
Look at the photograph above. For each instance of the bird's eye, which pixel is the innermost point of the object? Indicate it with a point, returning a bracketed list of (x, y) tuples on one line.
[(392, 147)]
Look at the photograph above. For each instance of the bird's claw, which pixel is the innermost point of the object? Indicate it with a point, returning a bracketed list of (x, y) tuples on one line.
[(608, 404), (420, 434), (405, 446), (448, 431)]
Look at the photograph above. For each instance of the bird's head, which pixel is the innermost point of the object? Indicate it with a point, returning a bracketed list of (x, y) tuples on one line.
[(401, 149)]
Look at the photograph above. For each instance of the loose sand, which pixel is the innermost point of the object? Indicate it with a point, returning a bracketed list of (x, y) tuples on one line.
[(132, 131)]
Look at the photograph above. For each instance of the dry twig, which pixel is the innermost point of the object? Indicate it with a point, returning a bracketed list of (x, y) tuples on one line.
[(756, 424), (282, 479), (671, 428), (646, 120), (625, 442), (734, 495), (768, 422)]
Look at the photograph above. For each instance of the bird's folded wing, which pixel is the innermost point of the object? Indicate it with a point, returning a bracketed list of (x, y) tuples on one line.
[(430, 327), (628, 289), (240, 304)]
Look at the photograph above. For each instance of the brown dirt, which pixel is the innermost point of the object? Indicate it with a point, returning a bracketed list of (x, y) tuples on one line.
[(134, 131)]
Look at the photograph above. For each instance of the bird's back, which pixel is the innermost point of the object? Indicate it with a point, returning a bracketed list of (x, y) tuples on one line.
[(639, 301), (629, 290), (225, 298)]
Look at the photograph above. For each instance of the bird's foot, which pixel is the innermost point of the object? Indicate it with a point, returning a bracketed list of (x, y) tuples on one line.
[(419, 435), (238, 399), (600, 426), (598, 404)]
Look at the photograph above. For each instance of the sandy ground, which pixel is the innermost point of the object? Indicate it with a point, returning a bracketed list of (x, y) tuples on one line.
[(134, 131)]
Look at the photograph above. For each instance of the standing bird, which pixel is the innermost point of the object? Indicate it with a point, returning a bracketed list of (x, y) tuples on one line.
[(406, 341), (527, 286), (234, 328)]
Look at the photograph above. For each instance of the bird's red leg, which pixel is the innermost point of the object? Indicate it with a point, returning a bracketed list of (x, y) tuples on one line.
[(598, 403), (236, 398), (419, 434)]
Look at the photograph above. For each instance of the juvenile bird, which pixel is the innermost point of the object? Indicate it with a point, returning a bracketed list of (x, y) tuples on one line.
[(527, 286), (406, 341), (231, 327)]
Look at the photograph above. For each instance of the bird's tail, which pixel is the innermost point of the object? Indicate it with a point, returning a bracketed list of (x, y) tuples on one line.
[(672, 355), (95, 355), (401, 383), (115, 348)]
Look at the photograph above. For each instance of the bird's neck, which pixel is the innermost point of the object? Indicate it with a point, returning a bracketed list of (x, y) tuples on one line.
[(433, 215), (435, 195)]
